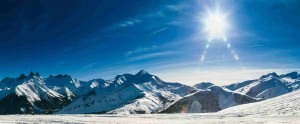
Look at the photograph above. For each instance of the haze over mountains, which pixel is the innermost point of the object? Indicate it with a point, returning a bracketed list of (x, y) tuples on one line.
[(138, 93)]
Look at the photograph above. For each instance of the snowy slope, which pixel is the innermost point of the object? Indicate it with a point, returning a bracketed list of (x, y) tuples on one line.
[(212, 99), (129, 94), (34, 89), (288, 104), (151, 100), (268, 86), (63, 84)]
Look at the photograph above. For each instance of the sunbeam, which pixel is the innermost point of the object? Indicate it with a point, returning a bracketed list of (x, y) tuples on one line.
[(216, 27)]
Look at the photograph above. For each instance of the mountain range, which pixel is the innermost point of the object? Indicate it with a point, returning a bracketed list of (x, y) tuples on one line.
[(140, 93)]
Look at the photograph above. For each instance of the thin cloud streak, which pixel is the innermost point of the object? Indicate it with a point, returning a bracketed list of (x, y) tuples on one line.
[(177, 7), (128, 23), (140, 50), (251, 46), (152, 48), (89, 65), (151, 55), (155, 32)]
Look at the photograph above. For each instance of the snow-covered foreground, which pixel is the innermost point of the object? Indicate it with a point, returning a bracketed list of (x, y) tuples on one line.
[(282, 109), (147, 119)]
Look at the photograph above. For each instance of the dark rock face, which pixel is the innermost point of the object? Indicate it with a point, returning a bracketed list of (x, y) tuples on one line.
[(292, 75), (21, 77), (213, 99), (14, 104), (49, 107), (243, 100), (208, 101)]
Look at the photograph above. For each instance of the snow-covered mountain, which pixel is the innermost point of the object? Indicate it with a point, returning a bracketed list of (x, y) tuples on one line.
[(132, 94), (63, 84), (127, 93), (31, 90), (268, 86), (211, 99)]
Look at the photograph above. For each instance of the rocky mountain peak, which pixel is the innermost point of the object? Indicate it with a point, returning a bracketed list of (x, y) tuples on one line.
[(203, 85), (273, 74), (142, 72), (60, 76), (293, 75)]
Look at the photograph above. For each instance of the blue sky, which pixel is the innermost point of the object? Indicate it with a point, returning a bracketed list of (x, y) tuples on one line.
[(100, 39)]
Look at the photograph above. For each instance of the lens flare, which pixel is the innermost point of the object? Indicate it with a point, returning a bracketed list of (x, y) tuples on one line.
[(215, 25)]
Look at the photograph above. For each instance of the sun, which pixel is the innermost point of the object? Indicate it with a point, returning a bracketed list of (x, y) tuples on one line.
[(216, 26)]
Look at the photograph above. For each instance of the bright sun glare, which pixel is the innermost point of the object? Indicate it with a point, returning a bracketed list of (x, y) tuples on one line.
[(216, 25)]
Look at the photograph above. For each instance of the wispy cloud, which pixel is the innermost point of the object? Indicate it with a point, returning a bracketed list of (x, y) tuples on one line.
[(174, 22), (128, 23), (155, 32), (161, 12), (166, 8), (177, 7), (89, 65), (151, 55), (152, 48), (258, 45), (140, 50)]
